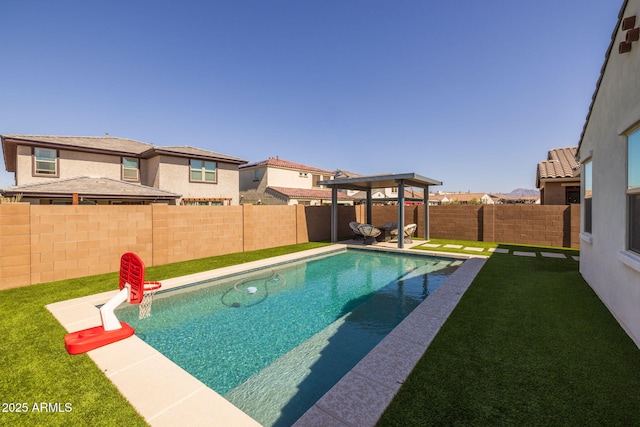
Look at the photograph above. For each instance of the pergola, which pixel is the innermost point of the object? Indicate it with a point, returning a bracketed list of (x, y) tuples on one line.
[(367, 183)]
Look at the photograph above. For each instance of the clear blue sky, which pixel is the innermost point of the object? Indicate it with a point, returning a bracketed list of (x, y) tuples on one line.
[(472, 93)]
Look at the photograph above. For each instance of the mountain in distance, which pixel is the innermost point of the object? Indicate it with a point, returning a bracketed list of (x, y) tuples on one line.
[(523, 192)]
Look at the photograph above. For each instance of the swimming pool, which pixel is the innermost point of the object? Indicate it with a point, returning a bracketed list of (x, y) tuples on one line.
[(275, 351)]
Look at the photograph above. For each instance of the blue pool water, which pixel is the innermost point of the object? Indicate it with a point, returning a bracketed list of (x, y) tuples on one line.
[(274, 341)]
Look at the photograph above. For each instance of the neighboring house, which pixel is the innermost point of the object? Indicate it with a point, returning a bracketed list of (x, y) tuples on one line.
[(277, 181), (110, 170), (609, 152), (558, 177), (462, 199), (505, 199)]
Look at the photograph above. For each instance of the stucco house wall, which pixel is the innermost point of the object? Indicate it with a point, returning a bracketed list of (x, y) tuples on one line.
[(554, 193), (174, 172), (277, 177), (605, 262), (71, 164)]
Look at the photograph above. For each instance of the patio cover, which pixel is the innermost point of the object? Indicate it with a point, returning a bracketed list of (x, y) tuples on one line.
[(367, 183)]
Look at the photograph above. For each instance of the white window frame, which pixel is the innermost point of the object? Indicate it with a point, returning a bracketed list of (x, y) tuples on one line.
[(129, 169), (46, 160), (633, 191), (207, 169)]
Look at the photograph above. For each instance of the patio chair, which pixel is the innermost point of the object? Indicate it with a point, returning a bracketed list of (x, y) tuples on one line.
[(369, 232), (409, 229), (354, 227)]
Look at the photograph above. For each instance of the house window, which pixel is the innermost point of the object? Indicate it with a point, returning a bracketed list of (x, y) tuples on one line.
[(130, 169), (203, 171), (45, 161), (633, 190), (256, 175), (588, 193)]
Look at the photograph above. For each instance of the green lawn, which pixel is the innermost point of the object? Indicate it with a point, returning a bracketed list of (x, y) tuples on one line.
[(528, 344)]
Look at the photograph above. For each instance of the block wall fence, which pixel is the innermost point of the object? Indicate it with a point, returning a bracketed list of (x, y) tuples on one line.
[(48, 243)]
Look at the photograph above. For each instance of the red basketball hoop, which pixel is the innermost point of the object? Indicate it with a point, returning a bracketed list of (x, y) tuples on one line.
[(152, 286)]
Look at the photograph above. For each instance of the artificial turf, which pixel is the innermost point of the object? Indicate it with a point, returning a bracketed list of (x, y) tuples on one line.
[(42, 385), (529, 344)]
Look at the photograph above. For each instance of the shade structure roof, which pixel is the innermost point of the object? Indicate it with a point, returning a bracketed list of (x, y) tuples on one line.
[(381, 181), (368, 183)]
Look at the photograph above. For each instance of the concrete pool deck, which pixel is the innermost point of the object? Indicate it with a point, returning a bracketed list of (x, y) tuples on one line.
[(165, 394)]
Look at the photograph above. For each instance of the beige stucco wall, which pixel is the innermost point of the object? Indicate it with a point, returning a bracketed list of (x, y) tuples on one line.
[(616, 110), (555, 192), (288, 178), (173, 173), (71, 164), (247, 178)]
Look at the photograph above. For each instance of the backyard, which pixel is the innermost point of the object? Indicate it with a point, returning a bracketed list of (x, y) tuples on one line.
[(529, 343)]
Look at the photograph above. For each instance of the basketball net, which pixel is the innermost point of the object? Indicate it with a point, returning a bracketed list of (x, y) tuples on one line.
[(147, 300)]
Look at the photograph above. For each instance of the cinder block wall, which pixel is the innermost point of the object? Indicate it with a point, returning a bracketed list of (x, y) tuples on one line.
[(269, 226), (46, 243), (530, 224), (75, 241), (15, 245), (190, 232), (459, 222)]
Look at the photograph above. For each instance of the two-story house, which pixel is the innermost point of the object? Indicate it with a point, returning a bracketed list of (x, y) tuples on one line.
[(558, 177), (110, 170), (277, 181)]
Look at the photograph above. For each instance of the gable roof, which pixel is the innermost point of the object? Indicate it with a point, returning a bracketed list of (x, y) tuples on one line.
[(285, 164), (91, 187), (560, 163), (602, 70), (103, 144)]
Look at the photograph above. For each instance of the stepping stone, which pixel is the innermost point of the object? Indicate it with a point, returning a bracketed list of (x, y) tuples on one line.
[(431, 245), (471, 248), (499, 250), (453, 246), (519, 253), (576, 258), (553, 255)]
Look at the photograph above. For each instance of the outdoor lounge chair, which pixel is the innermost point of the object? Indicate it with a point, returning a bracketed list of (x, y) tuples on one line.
[(409, 229), (354, 227), (369, 232)]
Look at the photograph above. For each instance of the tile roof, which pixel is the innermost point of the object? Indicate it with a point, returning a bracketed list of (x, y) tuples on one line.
[(308, 193), (108, 143), (281, 163), (602, 70), (560, 163), (103, 144), (91, 187), (193, 151)]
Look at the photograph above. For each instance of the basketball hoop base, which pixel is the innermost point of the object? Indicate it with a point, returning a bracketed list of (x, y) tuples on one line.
[(92, 338)]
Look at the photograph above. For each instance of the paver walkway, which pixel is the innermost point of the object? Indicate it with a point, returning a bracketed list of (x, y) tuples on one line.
[(500, 251)]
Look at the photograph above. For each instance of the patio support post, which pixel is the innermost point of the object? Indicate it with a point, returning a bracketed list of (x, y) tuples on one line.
[(334, 214), (426, 214), (400, 214), (369, 208)]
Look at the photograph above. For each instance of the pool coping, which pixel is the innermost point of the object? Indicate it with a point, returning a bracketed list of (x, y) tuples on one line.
[(164, 394)]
